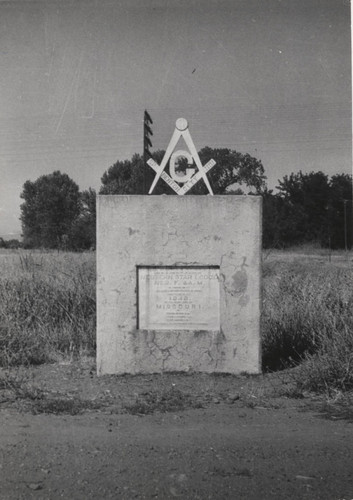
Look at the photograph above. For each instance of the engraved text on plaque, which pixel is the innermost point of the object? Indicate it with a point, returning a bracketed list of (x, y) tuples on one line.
[(178, 298)]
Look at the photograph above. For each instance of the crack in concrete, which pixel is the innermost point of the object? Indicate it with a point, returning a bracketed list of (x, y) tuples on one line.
[(133, 231), (208, 352), (214, 351), (205, 238), (166, 352), (174, 234), (169, 235)]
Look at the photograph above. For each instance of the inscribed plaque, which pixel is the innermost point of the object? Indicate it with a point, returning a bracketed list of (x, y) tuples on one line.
[(178, 298)]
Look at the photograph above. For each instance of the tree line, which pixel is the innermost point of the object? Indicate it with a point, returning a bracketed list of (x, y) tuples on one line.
[(309, 208), (306, 208)]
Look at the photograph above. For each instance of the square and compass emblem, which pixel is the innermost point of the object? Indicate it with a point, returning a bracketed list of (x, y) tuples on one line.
[(181, 184)]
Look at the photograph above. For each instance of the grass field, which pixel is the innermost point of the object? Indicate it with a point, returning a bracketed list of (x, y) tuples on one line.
[(47, 306), (308, 317), (47, 312)]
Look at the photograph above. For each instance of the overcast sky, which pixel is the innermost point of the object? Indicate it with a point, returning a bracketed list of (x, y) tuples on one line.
[(267, 77)]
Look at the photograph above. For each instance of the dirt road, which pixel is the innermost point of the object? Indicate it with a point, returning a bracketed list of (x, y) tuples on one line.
[(231, 448)]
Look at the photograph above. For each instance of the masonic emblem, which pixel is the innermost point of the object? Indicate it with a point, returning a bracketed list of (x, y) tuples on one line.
[(193, 175)]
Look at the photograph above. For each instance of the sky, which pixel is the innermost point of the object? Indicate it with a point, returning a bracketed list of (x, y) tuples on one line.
[(271, 78)]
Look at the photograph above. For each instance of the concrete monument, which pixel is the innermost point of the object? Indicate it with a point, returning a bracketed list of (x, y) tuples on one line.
[(178, 285)]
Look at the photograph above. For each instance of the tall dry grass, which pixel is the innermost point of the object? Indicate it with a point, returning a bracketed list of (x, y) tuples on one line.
[(308, 318), (47, 306)]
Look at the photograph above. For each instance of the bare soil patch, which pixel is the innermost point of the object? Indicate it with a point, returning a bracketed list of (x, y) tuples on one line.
[(73, 387)]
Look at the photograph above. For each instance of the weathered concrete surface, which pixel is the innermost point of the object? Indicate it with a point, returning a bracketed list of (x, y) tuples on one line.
[(223, 231)]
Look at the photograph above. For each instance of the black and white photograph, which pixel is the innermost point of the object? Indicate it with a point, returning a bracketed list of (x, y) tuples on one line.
[(176, 250)]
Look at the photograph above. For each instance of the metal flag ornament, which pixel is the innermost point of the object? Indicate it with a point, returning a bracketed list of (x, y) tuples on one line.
[(189, 178)]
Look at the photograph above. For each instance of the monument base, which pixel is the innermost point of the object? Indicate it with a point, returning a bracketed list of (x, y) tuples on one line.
[(178, 284)]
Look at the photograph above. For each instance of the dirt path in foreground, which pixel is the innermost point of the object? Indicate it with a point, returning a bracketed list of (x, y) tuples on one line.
[(277, 448), (215, 453)]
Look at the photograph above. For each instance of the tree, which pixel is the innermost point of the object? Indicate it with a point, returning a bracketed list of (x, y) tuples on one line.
[(340, 217), (83, 231), (309, 208), (272, 234), (124, 177), (51, 205), (231, 170), (13, 243), (306, 197)]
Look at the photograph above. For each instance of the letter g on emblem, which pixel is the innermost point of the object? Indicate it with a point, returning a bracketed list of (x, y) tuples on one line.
[(190, 171)]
